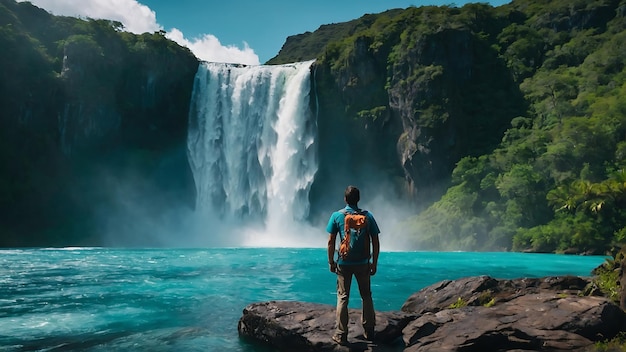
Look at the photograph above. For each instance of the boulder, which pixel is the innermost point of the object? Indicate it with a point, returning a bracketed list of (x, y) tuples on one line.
[(301, 326), (485, 290), (537, 322), (468, 314)]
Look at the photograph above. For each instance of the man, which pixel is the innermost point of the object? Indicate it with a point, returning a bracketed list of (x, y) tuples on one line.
[(357, 264)]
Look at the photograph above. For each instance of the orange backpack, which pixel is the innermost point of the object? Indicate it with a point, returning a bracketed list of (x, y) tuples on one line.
[(355, 235)]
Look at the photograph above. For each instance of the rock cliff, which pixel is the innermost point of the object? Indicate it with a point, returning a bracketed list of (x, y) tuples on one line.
[(410, 99)]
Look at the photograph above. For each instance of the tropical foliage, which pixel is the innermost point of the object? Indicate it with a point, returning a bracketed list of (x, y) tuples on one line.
[(556, 182)]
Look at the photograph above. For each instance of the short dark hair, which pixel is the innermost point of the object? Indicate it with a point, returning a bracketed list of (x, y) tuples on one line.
[(352, 194)]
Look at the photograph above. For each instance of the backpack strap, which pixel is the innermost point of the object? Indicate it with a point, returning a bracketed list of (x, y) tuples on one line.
[(345, 211)]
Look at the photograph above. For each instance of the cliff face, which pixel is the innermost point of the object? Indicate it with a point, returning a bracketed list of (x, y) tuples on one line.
[(93, 124), (407, 104), (432, 91)]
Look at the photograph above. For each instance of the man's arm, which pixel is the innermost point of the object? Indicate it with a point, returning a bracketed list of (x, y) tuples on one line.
[(375, 252), (332, 238)]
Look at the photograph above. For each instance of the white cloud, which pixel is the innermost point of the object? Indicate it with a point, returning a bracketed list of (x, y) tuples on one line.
[(139, 18), (209, 48)]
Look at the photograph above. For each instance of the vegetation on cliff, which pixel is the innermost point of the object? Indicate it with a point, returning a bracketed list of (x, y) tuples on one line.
[(507, 122), (556, 182), (86, 109)]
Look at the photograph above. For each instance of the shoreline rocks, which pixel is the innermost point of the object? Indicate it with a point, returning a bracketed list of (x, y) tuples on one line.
[(469, 314)]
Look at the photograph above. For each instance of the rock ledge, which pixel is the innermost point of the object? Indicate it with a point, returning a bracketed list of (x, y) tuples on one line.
[(545, 314)]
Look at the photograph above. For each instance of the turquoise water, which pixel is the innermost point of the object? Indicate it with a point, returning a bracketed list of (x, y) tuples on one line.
[(96, 299)]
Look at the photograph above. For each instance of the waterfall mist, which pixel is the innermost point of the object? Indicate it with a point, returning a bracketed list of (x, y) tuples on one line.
[(252, 152)]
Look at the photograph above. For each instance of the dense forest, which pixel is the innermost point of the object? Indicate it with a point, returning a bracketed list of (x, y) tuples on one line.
[(88, 112), (555, 179), (556, 182)]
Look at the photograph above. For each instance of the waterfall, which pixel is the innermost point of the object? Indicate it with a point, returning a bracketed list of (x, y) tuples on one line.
[(251, 147)]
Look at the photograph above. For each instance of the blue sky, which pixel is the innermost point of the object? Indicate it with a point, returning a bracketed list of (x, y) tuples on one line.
[(241, 31)]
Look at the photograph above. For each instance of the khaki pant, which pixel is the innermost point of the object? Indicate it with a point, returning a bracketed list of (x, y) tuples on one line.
[(344, 280)]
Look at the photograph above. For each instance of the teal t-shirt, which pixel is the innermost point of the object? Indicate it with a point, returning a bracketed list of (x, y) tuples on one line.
[(336, 225)]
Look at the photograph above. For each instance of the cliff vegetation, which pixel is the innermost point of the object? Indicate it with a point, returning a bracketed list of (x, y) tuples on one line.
[(93, 124)]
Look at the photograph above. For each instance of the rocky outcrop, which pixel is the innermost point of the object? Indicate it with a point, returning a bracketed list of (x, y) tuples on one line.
[(485, 290), (427, 102), (301, 326), (469, 314), (537, 322)]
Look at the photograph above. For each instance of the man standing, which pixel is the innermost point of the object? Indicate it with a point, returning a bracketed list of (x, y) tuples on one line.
[(356, 263)]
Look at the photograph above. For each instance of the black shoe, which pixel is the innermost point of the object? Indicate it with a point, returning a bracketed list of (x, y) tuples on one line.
[(341, 340), (369, 335)]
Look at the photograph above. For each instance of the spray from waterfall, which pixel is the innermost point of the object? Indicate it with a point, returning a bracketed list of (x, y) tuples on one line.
[(251, 147)]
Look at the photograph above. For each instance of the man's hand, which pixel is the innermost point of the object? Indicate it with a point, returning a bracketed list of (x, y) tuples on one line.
[(332, 238), (372, 269)]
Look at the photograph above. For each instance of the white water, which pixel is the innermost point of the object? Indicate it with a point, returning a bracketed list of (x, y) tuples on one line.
[(252, 151)]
